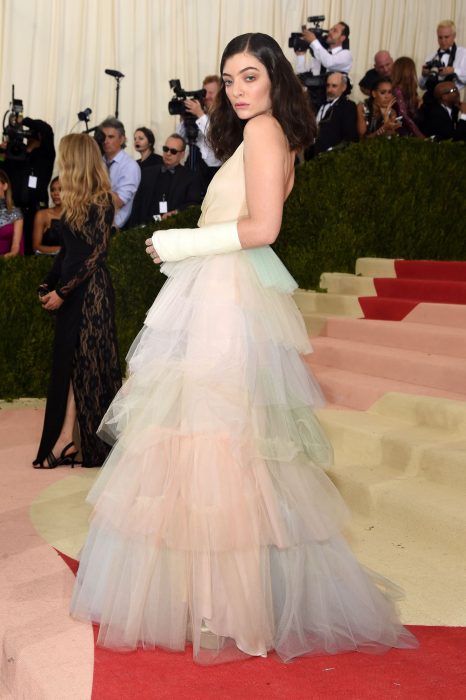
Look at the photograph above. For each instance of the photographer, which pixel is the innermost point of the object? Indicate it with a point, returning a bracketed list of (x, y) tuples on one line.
[(338, 56), (29, 166), (447, 63), (201, 156)]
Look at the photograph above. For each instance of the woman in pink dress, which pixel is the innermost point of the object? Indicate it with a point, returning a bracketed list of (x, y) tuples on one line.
[(11, 221)]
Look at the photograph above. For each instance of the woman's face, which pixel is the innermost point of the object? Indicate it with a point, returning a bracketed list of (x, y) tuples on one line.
[(55, 193), (141, 142), (382, 95), (247, 85)]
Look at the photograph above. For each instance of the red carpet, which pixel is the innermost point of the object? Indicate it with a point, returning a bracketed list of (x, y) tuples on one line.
[(441, 282), (436, 670), (431, 269)]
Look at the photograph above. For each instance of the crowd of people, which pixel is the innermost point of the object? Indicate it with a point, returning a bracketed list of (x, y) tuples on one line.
[(400, 101), (393, 105)]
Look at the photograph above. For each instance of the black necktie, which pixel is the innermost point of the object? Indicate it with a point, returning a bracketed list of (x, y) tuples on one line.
[(442, 52), (164, 169)]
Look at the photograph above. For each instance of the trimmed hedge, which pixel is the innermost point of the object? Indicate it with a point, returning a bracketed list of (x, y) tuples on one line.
[(384, 198)]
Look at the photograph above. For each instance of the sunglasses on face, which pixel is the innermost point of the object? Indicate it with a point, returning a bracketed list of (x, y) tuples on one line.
[(447, 92), (173, 151)]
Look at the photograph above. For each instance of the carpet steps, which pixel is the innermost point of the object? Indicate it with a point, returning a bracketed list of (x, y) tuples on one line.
[(353, 390), (439, 291), (371, 438), (404, 461), (386, 308), (411, 366), (337, 304), (446, 415), (450, 270), (375, 267), (438, 315), (427, 338), (343, 283)]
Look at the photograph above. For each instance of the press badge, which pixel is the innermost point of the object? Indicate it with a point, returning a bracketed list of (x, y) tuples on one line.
[(163, 207), (32, 182)]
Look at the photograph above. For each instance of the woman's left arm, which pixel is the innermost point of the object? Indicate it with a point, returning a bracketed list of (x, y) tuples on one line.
[(268, 166)]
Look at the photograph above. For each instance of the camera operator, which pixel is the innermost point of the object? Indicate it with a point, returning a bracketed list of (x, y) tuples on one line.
[(29, 167), (201, 156), (337, 57), (447, 63)]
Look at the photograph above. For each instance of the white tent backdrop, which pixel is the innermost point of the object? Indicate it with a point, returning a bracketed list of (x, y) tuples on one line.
[(55, 51)]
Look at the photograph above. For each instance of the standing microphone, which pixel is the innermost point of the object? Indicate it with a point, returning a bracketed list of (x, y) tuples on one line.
[(114, 73)]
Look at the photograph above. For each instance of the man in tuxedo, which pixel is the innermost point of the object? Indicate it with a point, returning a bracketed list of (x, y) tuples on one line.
[(337, 117), (451, 57), (445, 117)]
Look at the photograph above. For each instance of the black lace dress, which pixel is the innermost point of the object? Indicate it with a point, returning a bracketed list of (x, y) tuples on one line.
[(85, 347)]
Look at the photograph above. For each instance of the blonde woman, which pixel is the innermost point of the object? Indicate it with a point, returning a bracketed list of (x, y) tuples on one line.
[(85, 369)]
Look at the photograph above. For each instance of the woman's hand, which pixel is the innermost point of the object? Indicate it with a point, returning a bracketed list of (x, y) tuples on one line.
[(51, 301), (150, 250)]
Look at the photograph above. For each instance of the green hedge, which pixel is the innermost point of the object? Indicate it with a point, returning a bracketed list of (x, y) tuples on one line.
[(385, 198)]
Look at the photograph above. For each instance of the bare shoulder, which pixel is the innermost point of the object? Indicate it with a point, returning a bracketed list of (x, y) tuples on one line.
[(265, 129)]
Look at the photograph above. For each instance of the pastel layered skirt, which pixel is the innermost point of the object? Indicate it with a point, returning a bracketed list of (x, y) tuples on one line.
[(214, 521)]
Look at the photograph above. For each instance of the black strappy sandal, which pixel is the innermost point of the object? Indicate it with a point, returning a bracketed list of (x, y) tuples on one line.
[(50, 462)]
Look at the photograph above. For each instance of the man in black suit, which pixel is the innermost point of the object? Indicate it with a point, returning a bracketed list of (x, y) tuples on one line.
[(166, 188), (445, 117), (337, 117)]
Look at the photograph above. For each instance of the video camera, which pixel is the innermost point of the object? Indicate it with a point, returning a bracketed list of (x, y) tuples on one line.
[(177, 106), (15, 129), (296, 41)]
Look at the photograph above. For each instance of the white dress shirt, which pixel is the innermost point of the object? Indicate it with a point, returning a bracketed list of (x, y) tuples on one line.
[(459, 65)]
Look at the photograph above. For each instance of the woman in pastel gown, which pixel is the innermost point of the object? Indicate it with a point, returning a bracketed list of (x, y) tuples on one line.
[(214, 522)]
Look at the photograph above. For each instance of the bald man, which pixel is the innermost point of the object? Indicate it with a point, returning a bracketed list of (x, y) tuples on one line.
[(383, 64)]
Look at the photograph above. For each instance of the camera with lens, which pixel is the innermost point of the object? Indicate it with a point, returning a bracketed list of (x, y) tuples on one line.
[(176, 106), (433, 67), (15, 130), (296, 41)]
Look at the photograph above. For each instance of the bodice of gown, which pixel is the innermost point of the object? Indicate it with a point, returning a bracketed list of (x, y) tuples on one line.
[(225, 199)]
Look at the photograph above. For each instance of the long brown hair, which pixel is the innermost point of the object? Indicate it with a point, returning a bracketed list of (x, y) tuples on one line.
[(8, 194), (84, 179), (404, 77), (290, 105)]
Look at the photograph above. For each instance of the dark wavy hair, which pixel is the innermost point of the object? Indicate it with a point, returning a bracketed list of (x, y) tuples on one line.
[(149, 136), (290, 104)]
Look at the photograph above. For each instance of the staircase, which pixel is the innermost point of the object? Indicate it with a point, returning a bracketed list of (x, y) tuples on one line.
[(397, 416)]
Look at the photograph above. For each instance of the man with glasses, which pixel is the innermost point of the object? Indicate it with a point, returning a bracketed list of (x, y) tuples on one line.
[(448, 62), (174, 186), (445, 118)]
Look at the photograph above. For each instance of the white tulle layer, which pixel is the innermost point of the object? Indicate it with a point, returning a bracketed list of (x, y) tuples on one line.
[(214, 521)]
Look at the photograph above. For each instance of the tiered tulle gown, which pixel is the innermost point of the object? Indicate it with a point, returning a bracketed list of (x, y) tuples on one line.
[(214, 521)]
